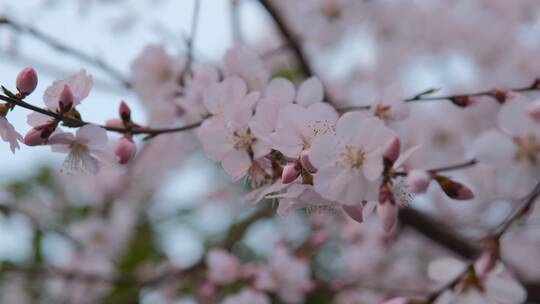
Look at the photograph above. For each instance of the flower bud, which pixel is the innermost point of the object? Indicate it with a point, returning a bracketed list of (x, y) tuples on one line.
[(290, 172), (462, 101), (387, 213), (124, 111), (306, 163), (27, 81), (34, 137), (65, 101), (355, 211), (489, 257), (454, 189), (391, 149), (499, 95), (533, 110), (125, 149), (418, 181)]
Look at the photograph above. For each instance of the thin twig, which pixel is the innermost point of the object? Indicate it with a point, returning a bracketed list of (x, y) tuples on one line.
[(61, 47), (79, 123)]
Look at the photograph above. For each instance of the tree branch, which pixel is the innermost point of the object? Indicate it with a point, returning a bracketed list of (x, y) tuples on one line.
[(63, 48)]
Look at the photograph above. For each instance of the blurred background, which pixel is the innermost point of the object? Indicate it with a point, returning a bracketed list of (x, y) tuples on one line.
[(173, 213)]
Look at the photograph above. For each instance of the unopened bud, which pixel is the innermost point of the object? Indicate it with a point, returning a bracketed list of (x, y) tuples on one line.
[(533, 110), (27, 81), (391, 149), (454, 189), (356, 212), (35, 137), (125, 149), (499, 95), (65, 101), (306, 163), (462, 101), (125, 112), (290, 172), (387, 213), (489, 257), (418, 181)]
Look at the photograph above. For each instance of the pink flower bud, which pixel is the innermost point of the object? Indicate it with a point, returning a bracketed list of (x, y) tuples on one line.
[(355, 211), (124, 111), (418, 181), (306, 164), (387, 213), (34, 137), (391, 149), (533, 110), (27, 81), (125, 149), (489, 257), (115, 123), (290, 173), (65, 101)]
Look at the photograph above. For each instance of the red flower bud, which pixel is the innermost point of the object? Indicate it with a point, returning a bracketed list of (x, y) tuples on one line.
[(124, 111), (391, 149), (454, 189)]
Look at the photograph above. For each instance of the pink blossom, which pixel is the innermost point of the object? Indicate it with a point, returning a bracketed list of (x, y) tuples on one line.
[(9, 134), (350, 162), (390, 106), (84, 148), (247, 296), (298, 126), (244, 63), (79, 85), (226, 136), (286, 275), (223, 267), (518, 148), (497, 286)]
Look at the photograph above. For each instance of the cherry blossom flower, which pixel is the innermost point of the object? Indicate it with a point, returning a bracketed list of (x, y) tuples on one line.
[(350, 161), (223, 268), (247, 296), (79, 84), (390, 106), (496, 286), (286, 275), (9, 134), (226, 136), (84, 149), (244, 63), (297, 127), (156, 74), (517, 157)]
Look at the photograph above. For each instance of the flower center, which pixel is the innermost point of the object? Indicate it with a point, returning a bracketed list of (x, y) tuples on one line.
[(243, 140), (317, 127), (528, 148), (353, 157)]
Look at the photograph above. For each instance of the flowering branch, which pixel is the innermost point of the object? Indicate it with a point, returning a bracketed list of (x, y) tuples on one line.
[(495, 236), (461, 100), (59, 46), (74, 122)]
